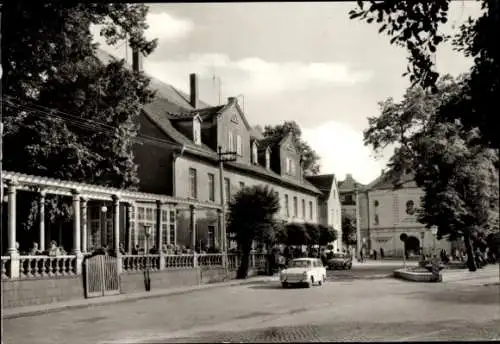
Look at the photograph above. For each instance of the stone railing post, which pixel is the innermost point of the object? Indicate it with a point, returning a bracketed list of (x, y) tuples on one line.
[(116, 232)]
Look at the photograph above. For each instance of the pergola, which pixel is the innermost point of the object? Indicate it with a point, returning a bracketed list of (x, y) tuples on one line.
[(81, 193)]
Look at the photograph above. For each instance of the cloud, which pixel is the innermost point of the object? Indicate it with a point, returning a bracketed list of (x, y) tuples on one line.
[(163, 26), (254, 75), (342, 151)]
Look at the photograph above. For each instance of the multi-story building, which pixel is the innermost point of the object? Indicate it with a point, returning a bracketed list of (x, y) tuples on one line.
[(180, 159), (384, 213), (329, 208)]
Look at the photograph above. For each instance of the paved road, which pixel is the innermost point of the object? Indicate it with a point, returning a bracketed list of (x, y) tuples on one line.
[(346, 308)]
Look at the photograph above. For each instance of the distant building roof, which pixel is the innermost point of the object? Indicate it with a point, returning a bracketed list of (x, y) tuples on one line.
[(349, 183), (323, 182)]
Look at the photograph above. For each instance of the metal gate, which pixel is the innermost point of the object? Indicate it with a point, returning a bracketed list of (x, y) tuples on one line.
[(101, 276)]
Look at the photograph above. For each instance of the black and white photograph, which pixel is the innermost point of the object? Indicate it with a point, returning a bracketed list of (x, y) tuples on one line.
[(249, 172)]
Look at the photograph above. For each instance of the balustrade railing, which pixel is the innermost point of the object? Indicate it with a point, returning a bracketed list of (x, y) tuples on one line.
[(211, 259), (5, 264), (233, 261), (44, 266), (180, 261), (132, 263)]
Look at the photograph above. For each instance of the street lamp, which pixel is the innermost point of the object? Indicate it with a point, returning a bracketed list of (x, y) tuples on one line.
[(104, 230), (222, 158), (147, 234)]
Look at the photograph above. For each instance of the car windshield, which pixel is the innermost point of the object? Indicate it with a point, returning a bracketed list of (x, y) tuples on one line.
[(338, 255), (300, 264)]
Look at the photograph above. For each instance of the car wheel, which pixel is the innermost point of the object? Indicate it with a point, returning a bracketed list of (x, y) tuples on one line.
[(311, 282), (285, 285)]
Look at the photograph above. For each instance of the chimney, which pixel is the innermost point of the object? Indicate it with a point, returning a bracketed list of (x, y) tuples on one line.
[(382, 171), (231, 100), (193, 88), (136, 60)]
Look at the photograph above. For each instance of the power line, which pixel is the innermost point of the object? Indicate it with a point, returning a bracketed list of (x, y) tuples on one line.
[(92, 125)]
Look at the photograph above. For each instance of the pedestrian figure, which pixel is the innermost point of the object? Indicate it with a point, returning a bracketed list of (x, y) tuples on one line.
[(375, 254), (361, 255), (381, 253)]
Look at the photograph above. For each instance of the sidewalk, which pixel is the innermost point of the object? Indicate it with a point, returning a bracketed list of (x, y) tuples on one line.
[(488, 274), (17, 312)]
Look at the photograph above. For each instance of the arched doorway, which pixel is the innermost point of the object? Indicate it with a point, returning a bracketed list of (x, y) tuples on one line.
[(412, 245)]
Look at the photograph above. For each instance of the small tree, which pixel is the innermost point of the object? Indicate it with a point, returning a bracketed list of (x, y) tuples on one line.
[(251, 218), (296, 234), (327, 234), (313, 234), (348, 230)]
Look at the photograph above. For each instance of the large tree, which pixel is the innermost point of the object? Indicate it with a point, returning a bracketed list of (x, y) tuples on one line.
[(309, 156), (251, 218), (416, 26), (67, 114), (348, 230), (459, 176)]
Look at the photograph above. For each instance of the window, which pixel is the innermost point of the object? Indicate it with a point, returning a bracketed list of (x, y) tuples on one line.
[(303, 209), (287, 208), (290, 166), (310, 210), (295, 206), (242, 185), (164, 227), (211, 236), (239, 145), (268, 159), (230, 143), (146, 218), (211, 187), (172, 228), (227, 189), (131, 217), (196, 131), (193, 187), (254, 153)]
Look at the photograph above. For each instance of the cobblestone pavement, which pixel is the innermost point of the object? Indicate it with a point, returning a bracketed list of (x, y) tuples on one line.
[(351, 308)]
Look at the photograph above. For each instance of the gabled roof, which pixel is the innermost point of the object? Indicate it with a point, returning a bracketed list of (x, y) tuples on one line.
[(163, 89), (323, 182), (385, 181), (170, 104), (349, 183)]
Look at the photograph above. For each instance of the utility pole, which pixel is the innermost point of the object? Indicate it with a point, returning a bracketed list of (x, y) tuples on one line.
[(358, 225), (223, 157)]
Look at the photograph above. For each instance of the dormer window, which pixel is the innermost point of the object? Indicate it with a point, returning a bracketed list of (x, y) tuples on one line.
[(254, 153), (197, 130), (268, 159)]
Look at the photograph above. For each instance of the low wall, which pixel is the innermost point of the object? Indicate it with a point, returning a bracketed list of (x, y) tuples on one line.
[(164, 279), (19, 293), (416, 276)]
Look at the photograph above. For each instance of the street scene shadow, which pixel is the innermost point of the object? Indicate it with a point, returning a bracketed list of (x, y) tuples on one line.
[(275, 286)]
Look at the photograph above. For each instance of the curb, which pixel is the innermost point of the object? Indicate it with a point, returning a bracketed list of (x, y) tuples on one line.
[(127, 298)]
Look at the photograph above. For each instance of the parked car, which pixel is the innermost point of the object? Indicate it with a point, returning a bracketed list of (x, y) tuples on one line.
[(340, 261), (307, 271)]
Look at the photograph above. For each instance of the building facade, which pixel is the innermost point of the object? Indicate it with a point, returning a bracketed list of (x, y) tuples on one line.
[(181, 160)]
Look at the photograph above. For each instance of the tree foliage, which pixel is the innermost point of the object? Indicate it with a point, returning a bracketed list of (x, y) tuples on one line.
[(251, 218), (327, 235), (415, 25), (309, 156), (66, 114), (348, 229), (458, 175)]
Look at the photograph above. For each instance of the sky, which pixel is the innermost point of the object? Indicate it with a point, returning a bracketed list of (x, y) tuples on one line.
[(306, 62)]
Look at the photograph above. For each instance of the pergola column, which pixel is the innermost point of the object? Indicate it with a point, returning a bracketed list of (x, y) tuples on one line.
[(41, 208), (76, 222), (130, 243), (11, 195), (192, 223), (116, 232), (159, 227), (220, 230), (84, 214)]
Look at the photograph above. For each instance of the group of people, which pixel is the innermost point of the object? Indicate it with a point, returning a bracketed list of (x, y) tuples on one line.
[(53, 251)]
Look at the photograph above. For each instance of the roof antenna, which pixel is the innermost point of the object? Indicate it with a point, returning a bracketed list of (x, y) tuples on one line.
[(214, 79)]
